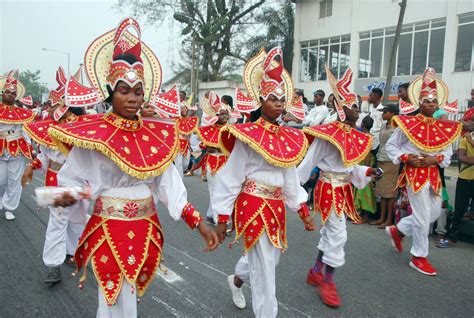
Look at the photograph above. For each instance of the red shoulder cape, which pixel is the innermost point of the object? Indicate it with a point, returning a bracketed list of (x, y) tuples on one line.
[(353, 145), (426, 133), (280, 146), (140, 148), (15, 115), (209, 135), (187, 125)]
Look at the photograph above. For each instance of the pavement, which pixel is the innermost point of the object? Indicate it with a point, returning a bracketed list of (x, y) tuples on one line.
[(376, 281)]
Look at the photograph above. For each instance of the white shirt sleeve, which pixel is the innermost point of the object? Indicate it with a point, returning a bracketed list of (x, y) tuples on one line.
[(310, 160), (294, 193), (394, 145), (229, 180), (359, 178), (43, 158), (171, 191)]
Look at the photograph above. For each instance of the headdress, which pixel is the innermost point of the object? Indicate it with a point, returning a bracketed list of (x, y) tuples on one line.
[(212, 106), (105, 66), (343, 97), (10, 82), (428, 87), (27, 100), (167, 104), (56, 96), (243, 103), (265, 76)]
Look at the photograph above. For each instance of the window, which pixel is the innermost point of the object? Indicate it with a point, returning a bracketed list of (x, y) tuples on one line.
[(325, 8), (465, 43), (316, 54), (421, 45)]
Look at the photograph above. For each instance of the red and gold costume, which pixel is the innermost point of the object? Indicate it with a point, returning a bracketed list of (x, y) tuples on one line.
[(12, 139), (124, 162), (186, 126), (421, 136)]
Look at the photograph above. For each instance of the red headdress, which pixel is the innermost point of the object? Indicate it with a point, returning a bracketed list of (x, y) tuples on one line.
[(56, 96), (243, 103), (167, 104), (212, 107), (342, 95), (428, 87), (11, 83), (27, 100), (121, 70), (272, 83)]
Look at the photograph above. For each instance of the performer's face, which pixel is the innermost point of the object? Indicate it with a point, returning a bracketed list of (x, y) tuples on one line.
[(428, 107), (223, 117), (8, 97), (127, 100), (352, 114), (273, 107)]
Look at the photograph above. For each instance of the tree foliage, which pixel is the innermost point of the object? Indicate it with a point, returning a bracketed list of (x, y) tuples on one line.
[(30, 79)]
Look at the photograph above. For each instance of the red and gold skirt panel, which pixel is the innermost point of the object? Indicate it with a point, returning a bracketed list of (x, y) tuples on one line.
[(123, 240), (212, 161), (51, 178), (184, 147), (14, 147), (418, 177), (332, 194), (260, 208)]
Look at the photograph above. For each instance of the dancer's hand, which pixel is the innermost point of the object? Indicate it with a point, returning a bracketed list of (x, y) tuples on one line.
[(413, 160), (27, 176), (428, 161), (210, 236), (65, 200), (308, 223), (221, 230), (147, 111)]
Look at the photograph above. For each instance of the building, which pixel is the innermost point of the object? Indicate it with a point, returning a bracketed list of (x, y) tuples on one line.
[(360, 33)]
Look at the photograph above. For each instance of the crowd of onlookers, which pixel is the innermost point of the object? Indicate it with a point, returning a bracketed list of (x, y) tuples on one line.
[(380, 204)]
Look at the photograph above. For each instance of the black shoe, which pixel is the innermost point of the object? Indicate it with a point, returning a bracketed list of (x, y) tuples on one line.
[(54, 275), (70, 260), (210, 221)]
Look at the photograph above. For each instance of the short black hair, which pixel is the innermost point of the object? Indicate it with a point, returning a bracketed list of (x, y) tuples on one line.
[(320, 92), (78, 111), (377, 91), (228, 100), (367, 122), (404, 85)]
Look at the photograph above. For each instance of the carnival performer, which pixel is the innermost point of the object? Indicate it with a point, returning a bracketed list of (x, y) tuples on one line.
[(259, 180), (118, 158), (187, 125), (336, 149), (423, 144), (65, 226), (218, 114), (14, 145)]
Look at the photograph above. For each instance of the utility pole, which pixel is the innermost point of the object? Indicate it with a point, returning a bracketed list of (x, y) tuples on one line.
[(393, 54), (193, 69)]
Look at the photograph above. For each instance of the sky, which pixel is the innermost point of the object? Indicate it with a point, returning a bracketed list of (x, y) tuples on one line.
[(69, 26)]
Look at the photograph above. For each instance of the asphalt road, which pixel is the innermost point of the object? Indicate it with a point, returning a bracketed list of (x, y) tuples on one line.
[(376, 281)]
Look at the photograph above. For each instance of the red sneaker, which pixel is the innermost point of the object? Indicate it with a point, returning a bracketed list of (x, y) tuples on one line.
[(329, 295), (422, 265), (315, 279), (395, 238)]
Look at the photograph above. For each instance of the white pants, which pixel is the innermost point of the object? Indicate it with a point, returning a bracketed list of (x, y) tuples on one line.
[(442, 220), (11, 171), (181, 163), (125, 307), (333, 239), (426, 207), (65, 227), (211, 183), (258, 269)]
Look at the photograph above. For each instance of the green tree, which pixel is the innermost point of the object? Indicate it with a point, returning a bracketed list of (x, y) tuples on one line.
[(279, 26), (32, 85)]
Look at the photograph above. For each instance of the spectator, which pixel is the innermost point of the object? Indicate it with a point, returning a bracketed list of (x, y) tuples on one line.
[(319, 111), (403, 92), (385, 187), (374, 100), (464, 187), (332, 115), (290, 120), (364, 199), (467, 124)]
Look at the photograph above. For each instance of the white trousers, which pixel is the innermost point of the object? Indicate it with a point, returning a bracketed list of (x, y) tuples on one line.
[(181, 163), (258, 269), (426, 207), (333, 239), (11, 171), (65, 227), (125, 307), (211, 183)]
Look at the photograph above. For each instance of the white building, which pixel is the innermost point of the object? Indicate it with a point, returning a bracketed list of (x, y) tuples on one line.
[(360, 33)]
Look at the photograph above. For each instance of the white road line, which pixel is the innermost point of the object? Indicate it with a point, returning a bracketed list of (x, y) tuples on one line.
[(168, 275), (169, 308), (283, 305)]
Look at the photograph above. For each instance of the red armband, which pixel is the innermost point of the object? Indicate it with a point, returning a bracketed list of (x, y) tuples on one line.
[(191, 216), (223, 219), (36, 164), (369, 172), (439, 158), (303, 211), (403, 158)]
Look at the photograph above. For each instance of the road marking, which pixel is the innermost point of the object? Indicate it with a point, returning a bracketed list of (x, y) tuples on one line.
[(168, 275), (168, 307)]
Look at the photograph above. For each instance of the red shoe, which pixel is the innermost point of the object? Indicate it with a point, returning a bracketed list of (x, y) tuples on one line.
[(422, 265), (396, 240), (315, 279), (329, 295)]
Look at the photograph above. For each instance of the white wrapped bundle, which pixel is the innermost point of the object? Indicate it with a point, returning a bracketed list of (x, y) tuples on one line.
[(47, 195)]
